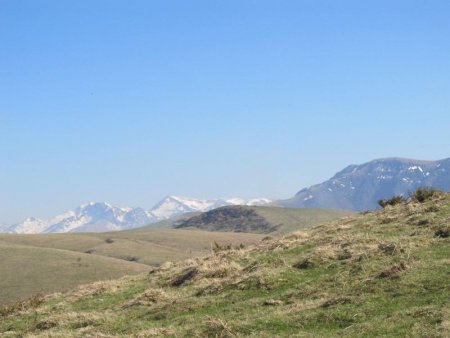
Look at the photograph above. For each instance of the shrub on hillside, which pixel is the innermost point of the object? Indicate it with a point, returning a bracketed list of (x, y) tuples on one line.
[(443, 232), (392, 201), (424, 194), (21, 305)]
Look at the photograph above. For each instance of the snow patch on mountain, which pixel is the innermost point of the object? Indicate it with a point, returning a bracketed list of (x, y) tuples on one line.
[(101, 216), (29, 226), (93, 216), (173, 206), (359, 187)]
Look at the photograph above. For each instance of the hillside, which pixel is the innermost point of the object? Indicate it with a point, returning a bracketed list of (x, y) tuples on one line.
[(27, 270), (54, 262), (169, 223), (381, 273), (146, 246), (359, 187), (259, 219)]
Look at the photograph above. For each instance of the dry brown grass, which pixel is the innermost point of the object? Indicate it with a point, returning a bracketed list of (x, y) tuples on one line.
[(149, 297), (154, 332), (305, 305), (94, 289), (216, 327), (22, 305)]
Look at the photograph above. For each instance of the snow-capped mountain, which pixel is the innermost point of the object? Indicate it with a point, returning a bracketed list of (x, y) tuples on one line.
[(250, 202), (93, 217), (29, 226), (173, 206), (100, 216), (359, 187)]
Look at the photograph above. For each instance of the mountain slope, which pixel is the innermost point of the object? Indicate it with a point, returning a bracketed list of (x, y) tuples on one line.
[(378, 274), (93, 217), (259, 219), (359, 187)]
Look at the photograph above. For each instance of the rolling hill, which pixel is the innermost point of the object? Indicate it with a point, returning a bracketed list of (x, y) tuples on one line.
[(359, 187), (54, 262), (263, 220), (146, 246), (26, 270), (375, 274)]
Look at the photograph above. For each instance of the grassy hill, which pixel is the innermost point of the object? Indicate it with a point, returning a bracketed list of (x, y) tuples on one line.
[(54, 262), (260, 219), (169, 223), (383, 273), (26, 270), (146, 246)]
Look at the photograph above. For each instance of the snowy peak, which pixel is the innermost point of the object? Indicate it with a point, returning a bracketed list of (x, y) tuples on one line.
[(101, 216), (359, 187), (29, 226), (192, 203), (173, 206), (89, 217), (258, 201)]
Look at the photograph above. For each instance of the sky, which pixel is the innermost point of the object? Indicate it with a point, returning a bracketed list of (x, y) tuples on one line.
[(130, 101)]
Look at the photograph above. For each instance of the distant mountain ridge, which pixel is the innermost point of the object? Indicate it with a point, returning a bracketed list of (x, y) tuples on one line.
[(101, 216), (359, 187), (93, 216)]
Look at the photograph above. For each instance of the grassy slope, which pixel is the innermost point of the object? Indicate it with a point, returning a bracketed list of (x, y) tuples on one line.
[(378, 274), (26, 270), (149, 246), (168, 223), (262, 219), (55, 262), (295, 219)]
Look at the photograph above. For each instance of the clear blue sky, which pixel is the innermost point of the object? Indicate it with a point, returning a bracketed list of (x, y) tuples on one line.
[(129, 101)]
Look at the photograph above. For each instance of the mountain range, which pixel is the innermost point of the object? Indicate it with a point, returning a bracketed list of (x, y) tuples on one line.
[(101, 216), (359, 187)]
